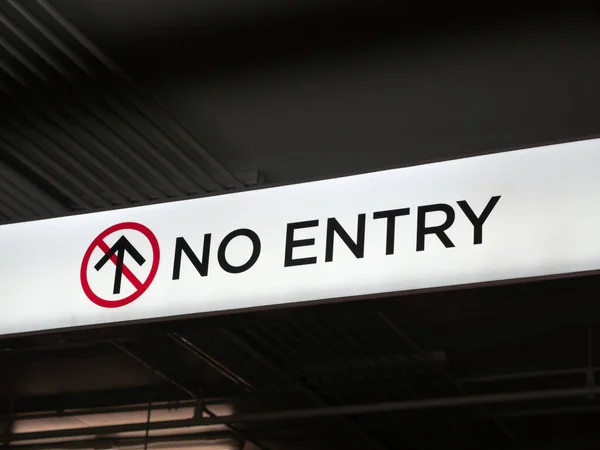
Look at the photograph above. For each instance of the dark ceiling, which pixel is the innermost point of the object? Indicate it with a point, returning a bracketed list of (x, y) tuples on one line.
[(471, 345), (108, 104)]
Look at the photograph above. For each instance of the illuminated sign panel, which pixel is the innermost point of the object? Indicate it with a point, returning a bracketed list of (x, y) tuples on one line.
[(511, 215)]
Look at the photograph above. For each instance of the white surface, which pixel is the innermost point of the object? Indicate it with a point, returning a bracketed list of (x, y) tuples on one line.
[(545, 223)]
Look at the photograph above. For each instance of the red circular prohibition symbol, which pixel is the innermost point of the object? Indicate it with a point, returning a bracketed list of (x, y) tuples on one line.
[(141, 287)]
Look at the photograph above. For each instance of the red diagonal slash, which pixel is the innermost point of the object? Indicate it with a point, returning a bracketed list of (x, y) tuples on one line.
[(128, 273)]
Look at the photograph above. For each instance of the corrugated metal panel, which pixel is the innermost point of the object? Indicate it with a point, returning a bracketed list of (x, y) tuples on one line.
[(81, 130), (20, 199)]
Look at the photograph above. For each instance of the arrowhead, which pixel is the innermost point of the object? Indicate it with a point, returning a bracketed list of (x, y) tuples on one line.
[(129, 248), (122, 246)]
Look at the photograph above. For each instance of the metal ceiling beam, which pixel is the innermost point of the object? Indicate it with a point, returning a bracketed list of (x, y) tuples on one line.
[(111, 443), (330, 411), (195, 396), (189, 391), (125, 409), (210, 361)]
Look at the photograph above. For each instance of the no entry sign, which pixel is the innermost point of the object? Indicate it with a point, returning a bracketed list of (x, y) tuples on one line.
[(506, 216), (116, 254)]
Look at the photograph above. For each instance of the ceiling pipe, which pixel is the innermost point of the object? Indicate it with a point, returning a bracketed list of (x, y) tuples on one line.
[(589, 409), (528, 375), (313, 413)]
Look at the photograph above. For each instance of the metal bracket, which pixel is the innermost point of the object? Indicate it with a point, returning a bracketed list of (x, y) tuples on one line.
[(199, 408), (252, 177), (590, 377)]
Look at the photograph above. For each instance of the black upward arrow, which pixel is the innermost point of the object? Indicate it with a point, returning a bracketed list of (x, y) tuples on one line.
[(120, 247)]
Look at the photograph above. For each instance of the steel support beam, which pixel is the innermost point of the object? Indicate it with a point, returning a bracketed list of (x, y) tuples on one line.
[(329, 411), (210, 361), (202, 408), (7, 426), (123, 409), (131, 442)]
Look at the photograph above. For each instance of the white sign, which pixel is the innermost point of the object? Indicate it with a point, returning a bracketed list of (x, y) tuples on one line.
[(518, 214)]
